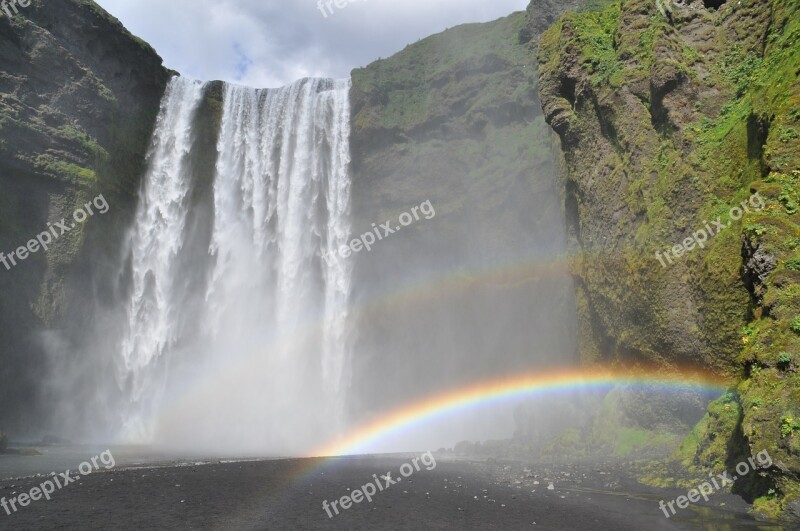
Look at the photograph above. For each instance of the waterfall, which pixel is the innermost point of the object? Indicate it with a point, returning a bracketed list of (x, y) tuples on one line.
[(155, 240), (244, 345)]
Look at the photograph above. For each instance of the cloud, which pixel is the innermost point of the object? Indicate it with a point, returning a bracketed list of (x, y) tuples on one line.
[(269, 43)]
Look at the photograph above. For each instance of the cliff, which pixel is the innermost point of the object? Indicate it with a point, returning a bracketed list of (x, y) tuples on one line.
[(455, 119), (78, 98), (679, 209), (670, 123)]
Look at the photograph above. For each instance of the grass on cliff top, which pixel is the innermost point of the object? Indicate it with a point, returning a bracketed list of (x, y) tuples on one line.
[(403, 81), (443, 52)]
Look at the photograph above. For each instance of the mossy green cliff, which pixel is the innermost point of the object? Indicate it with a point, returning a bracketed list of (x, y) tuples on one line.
[(669, 122)]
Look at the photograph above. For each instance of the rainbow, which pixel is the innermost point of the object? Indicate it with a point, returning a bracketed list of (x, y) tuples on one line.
[(525, 386)]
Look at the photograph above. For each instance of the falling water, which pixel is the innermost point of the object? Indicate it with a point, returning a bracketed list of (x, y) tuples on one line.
[(259, 360), (155, 241)]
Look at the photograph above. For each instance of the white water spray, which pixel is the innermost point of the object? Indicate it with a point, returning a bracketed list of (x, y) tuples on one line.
[(262, 365)]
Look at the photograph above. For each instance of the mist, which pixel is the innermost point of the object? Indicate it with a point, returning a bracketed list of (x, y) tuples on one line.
[(272, 295)]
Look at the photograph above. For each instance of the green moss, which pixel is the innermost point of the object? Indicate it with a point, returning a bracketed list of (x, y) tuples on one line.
[(789, 425), (788, 134), (50, 164), (740, 69), (399, 86), (590, 6), (630, 440), (74, 134), (664, 175), (616, 430), (593, 33), (571, 442)]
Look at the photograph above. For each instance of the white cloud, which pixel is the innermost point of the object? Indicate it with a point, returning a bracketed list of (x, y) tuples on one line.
[(268, 43)]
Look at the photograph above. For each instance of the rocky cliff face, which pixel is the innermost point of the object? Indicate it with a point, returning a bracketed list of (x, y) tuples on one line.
[(455, 119), (78, 98), (669, 123)]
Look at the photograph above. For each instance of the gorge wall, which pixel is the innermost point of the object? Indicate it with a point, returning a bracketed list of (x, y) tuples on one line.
[(78, 98), (667, 122), (481, 289)]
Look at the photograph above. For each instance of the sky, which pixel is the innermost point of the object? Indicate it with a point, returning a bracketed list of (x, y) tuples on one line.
[(270, 43)]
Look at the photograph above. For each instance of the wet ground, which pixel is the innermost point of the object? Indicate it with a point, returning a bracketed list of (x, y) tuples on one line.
[(289, 494)]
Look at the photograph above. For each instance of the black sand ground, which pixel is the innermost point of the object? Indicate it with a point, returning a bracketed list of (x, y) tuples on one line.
[(288, 494)]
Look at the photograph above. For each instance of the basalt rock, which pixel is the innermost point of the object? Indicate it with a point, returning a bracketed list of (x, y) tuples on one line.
[(78, 98), (667, 122)]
